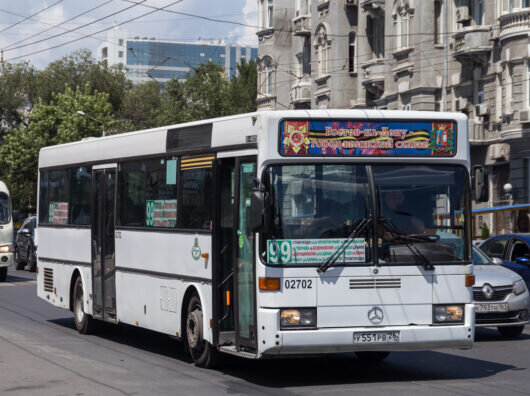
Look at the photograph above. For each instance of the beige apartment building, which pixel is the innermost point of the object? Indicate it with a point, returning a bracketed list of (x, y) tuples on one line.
[(469, 56)]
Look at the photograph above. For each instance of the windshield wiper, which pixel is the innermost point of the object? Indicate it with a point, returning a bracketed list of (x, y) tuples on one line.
[(410, 238), (347, 242)]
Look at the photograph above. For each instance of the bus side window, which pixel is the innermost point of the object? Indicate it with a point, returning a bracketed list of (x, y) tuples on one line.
[(44, 201), (196, 206)]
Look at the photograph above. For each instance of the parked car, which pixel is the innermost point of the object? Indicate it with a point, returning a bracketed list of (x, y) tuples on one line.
[(500, 295), (513, 250), (25, 246)]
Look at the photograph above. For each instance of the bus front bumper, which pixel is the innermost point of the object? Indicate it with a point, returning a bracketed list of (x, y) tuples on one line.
[(338, 340)]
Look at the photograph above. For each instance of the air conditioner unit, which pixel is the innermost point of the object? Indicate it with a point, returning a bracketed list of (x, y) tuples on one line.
[(351, 3), (462, 14), (461, 104), (482, 109), (524, 116)]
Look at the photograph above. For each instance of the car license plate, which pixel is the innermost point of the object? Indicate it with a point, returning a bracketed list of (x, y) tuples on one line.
[(491, 307), (376, 337)]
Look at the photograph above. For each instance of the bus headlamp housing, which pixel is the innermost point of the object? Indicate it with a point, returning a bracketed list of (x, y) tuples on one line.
[(6, 248), (448, 314), (292, 318)]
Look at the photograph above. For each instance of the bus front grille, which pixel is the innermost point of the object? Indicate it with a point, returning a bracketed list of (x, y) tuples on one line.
[(48, 280), (383, 283)]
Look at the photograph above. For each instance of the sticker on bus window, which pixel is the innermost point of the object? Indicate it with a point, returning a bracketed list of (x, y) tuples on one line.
[(313, 251), (171, 172), (368, 138), (161, 213), (58, 213)]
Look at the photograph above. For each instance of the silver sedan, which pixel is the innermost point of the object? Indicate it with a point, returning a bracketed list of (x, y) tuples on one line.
[(500, 296)]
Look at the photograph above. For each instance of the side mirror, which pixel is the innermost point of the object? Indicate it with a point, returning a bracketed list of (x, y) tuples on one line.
[(496, 260), (480, 184), (259, 208), (522, 260), (24, 231)]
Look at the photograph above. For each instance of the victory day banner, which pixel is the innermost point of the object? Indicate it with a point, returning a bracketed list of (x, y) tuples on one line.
[(368, 138)]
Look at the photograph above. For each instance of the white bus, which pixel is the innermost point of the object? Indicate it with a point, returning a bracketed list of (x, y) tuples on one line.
[(6, 232), (267, 234)]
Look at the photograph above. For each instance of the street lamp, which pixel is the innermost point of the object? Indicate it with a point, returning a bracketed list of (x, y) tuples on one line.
[(82, 113)]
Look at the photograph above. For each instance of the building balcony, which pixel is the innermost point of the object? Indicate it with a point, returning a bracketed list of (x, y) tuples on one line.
[(374, 8), (374, 76), (301, 91), (302, 25), (265, 102), (473, 42), (516, 23)]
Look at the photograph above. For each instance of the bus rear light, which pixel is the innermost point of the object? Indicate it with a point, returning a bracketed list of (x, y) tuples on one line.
[(270, 284), (228, 298), (470, 280)]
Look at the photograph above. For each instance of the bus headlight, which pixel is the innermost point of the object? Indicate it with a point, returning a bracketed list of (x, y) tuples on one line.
[(298, 317), (6, 248), (519, 287), (448, 313)]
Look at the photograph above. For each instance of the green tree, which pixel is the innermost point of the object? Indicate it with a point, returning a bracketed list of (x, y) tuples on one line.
[(49, 124), (243, 88), (139, 107), (484, 231)]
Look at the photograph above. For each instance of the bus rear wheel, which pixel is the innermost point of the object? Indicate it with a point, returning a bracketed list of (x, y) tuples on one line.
[(84, 323), (202, 352)]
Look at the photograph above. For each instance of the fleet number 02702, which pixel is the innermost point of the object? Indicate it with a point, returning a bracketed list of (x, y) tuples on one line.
[(298, 283)]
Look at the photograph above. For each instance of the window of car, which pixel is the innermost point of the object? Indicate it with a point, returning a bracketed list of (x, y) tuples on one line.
[(519, 249), (495, 247)]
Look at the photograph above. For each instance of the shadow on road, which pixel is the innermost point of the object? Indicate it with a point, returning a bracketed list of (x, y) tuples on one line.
[(18, 279), (487, 334), (309, 371)]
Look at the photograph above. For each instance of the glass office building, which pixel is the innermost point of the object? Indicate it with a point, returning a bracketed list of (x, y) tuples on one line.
[(148, 59)]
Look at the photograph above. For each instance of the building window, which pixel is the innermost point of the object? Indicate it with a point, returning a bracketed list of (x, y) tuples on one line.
[(265, 77), (376, 36), (202, 54), (306, 58), (266, 14), (302, 7), (510, 5), (352, 63), (478, 12), (120, 42), (438, 23), (508, 88), (402, 15), (104, 52), (120, 54), (322, 46)]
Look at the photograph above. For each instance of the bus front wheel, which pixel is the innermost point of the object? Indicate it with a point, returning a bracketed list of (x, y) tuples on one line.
[(3, 274), (202, 352), (84, 323)]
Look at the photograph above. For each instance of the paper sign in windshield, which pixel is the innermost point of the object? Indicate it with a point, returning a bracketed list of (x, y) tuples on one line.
[(161, 213), (368, 138), (313, 251), (58, 213)]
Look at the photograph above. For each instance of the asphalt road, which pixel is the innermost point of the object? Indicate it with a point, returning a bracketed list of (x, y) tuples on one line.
[(41, 353)]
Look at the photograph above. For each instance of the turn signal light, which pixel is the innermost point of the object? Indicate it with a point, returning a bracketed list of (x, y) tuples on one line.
[(470, 280), (271, 284)]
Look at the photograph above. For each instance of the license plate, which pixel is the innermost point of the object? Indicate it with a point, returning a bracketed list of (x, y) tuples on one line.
[(491, 308), (376, 337)]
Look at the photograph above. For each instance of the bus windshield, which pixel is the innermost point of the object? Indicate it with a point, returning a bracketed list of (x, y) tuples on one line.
[(4, 208), (315, 207)]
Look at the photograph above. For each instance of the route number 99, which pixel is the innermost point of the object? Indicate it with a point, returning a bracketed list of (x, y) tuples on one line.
[(279, 252)]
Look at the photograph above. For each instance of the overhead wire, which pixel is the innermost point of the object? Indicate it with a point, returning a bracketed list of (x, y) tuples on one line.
[(32, 15)]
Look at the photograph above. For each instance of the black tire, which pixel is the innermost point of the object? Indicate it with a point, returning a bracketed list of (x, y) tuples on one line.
[(31, 261), (375, 356), (19, 264), (84, 323), (510, 331), (3, 274), (202, 352)]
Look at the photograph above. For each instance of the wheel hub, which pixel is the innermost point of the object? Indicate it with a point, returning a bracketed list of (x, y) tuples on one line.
[(194, 329)]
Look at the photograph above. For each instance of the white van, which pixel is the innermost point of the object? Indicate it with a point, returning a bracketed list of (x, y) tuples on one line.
[(6, 232)]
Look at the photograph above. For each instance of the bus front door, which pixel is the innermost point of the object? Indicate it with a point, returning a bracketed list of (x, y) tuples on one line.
[(103, 262), (236, 288)]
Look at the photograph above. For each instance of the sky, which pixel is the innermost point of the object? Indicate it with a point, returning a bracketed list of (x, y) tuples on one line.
[(30, 29)]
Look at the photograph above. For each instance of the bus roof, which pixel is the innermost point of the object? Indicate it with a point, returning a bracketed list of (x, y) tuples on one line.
[(226, 132)]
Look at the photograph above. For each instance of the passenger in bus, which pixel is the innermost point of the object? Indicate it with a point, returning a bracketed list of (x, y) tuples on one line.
[(394, 210)]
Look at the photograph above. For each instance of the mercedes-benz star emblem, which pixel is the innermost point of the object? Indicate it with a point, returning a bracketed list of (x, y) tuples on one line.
[(375, 315), (487, 290)]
